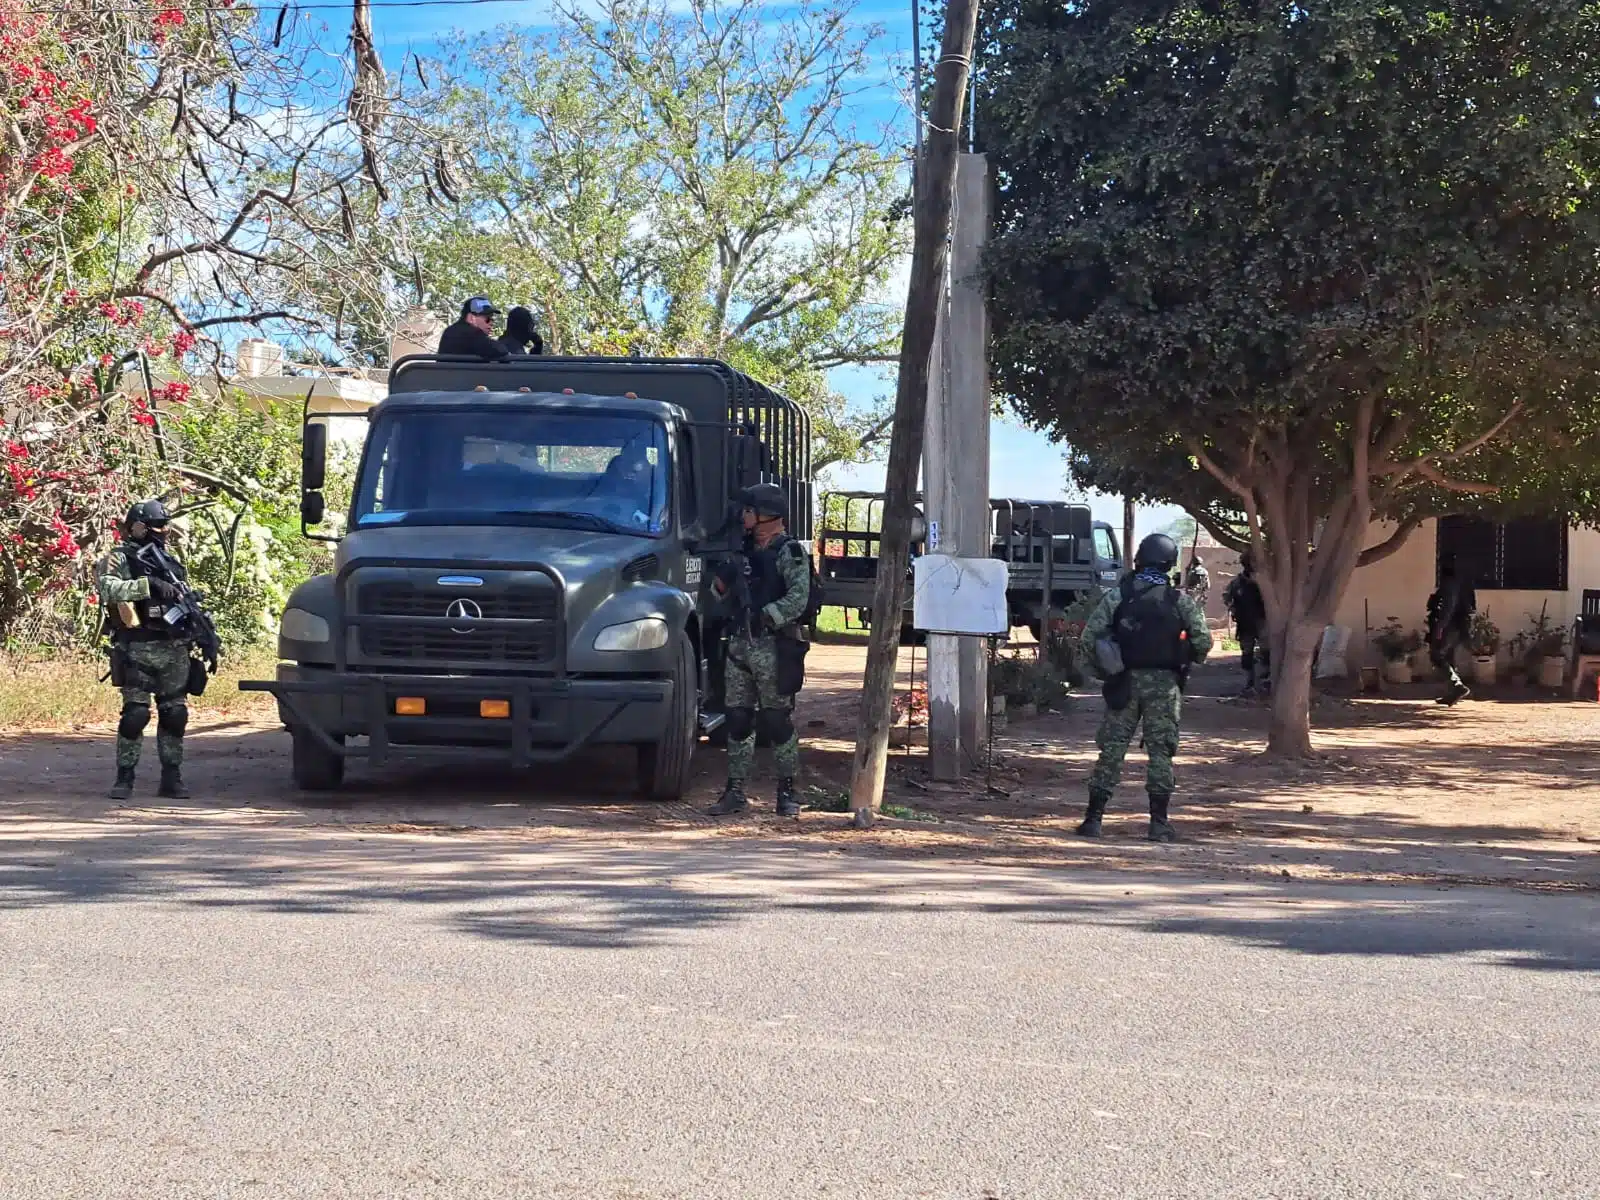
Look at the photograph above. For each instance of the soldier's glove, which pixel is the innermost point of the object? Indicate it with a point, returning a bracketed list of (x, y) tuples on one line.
[(162, 590)]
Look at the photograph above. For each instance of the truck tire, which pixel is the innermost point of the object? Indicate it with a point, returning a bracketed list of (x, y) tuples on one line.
[(314, 766), (664, 765)]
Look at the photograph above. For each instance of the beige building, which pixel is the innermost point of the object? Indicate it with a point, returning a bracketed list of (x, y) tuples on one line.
[(1519, 569)]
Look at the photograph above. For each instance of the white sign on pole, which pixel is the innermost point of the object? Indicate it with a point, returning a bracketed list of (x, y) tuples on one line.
[(959, 596)]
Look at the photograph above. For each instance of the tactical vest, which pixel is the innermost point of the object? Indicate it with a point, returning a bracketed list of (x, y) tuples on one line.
[(1149, 628), (151, 627), (766, 582)]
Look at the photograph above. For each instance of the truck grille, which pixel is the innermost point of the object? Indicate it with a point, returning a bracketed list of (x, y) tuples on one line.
[(536, 643)]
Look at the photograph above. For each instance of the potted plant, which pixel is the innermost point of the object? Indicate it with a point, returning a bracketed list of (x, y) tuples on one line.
[(1483, 639), (1396, 645), (1545, 657)]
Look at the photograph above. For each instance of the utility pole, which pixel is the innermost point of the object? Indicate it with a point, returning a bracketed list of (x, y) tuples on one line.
[(1127, 533), (933, 194), (955, 475)]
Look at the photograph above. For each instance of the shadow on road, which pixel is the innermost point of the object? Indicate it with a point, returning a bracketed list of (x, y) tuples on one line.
[(583, 894)]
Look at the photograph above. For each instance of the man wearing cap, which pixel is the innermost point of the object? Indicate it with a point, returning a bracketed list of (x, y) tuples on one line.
[(473, 333)]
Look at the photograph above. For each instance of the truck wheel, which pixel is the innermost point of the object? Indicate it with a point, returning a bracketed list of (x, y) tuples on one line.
[(664, 765), (314, 766)]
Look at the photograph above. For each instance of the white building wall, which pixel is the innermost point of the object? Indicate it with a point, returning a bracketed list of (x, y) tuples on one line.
[(1399, 587)]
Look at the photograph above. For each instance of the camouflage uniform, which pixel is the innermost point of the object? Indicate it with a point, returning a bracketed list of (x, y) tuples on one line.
[(1156, 703), (1199, 584), (752, 674), (158, 667)]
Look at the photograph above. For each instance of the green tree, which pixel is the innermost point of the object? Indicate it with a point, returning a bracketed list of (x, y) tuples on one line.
[(1309, 264), (662, 180)]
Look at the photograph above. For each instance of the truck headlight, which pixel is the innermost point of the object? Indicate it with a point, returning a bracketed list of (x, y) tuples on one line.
[(648, 633), (302, 626)]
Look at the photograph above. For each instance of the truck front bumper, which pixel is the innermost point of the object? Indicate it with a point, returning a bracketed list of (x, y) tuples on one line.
[(550, 718)]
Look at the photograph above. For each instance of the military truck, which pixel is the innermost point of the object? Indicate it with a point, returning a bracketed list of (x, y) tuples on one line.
[(525, 568), (1051, 549)]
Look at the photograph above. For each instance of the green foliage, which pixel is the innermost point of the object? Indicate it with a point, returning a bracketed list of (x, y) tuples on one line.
[(247, 556), (1296, 267), (661, 182)]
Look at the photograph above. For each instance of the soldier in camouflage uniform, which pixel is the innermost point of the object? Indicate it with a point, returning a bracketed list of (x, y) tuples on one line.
[(155, 660), (768, 590), (1142, 639)]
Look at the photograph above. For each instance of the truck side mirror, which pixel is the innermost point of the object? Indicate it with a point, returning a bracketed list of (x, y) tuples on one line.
[(746, 452), (312, 508), (313, 457)]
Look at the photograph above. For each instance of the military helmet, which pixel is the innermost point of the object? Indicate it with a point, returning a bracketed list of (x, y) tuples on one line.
[(147, 513), (767, 500), (1157, 550)]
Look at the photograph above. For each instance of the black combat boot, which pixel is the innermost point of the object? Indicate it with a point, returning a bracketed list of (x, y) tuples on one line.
[(733, 800), (788, 802), (1455, 692), (1161, 829), (172, 784), (123, 787), (1091, 819)]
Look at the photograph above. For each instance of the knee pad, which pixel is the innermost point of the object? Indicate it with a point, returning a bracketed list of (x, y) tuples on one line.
[(174, 719), (134, 718), (777, 724), (741, 723)]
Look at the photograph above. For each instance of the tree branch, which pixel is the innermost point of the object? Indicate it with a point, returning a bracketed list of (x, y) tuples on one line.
[(1389, 544)]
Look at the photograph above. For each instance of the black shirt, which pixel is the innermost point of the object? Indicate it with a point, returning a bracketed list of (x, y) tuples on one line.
[(462, 338)]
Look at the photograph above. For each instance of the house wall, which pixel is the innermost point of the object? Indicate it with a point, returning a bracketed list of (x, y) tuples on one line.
[(1399, 587)]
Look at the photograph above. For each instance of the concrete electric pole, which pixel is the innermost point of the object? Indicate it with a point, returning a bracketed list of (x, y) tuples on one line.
[(955, 474)]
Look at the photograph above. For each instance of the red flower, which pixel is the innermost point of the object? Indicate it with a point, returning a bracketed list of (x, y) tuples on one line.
[(183, 341), (110, 311)]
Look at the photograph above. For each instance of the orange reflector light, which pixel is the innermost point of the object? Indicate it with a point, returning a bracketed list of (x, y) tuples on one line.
[(630, 395), (500, 709), (524, 389), (568, 392), (480, 388), (411, 706)]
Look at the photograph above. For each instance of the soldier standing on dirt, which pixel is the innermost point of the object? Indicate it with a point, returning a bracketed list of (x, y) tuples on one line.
[(148, 656), (1450, 610), (770, 589), (1249, 612), (1142, 639), (1197, 582)]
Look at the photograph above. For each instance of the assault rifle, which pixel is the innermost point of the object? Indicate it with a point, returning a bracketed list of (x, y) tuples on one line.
[(191, 620)]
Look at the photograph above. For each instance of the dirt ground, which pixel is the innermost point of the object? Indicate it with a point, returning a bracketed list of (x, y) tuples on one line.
[(1504, 788)]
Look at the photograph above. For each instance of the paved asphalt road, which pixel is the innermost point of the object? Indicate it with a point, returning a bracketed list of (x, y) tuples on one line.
[(189, 1011)]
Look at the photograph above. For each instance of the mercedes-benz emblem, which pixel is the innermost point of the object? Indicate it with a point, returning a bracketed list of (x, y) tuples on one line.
[(466, 610)]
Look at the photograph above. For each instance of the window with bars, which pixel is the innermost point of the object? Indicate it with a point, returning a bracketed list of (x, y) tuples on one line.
[(1528, 554)]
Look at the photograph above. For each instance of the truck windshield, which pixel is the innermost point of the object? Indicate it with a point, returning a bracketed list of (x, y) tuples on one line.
[(478, 467)]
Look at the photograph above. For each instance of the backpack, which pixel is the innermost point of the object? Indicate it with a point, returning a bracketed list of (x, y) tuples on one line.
[(815, 600)]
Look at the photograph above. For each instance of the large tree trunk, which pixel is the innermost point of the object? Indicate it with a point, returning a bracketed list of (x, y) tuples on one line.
[(1294, 643)]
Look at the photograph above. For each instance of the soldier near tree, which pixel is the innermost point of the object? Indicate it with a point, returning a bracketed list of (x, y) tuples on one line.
[(767, 590), (1450, 610), (1249, 612), (1141, 640), (150, 658)]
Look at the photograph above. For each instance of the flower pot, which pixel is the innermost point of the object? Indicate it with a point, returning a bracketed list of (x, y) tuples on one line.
[(1552, 671), (997, 711), (1397, 670), (1369, 679), (1484, 670)]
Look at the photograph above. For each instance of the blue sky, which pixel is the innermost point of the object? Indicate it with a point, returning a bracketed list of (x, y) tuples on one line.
[(1023, 462)]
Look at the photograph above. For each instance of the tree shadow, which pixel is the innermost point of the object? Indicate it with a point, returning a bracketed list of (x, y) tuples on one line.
[(594, 896)]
